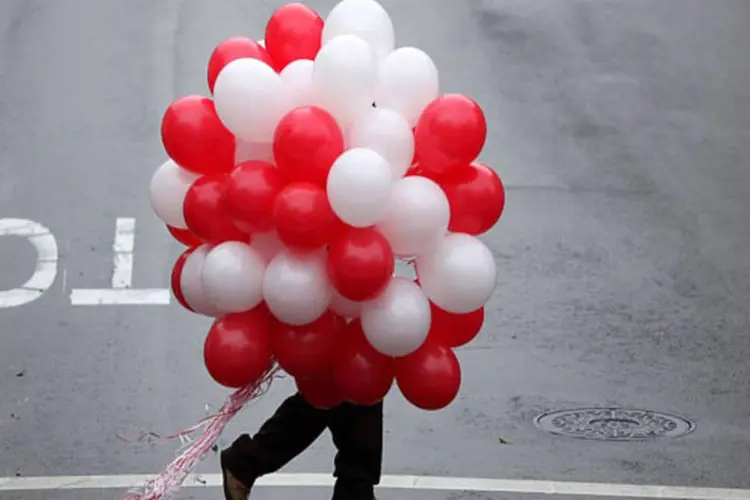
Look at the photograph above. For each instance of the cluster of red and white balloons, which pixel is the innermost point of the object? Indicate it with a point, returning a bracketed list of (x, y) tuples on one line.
[(324, 154)]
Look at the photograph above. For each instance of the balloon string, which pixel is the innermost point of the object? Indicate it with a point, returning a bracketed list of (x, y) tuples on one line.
[(169, 481)]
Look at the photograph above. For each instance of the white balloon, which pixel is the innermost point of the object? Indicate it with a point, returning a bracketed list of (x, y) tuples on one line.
[(233, 277), (343, 306), (262, 43), (296, 287), (268, 245), (359, 187), (459, 274), (258, 151), (250, 99), (191, 283), (417, 217), (366, 19), (169, 185), (407, 82), (397, 321), (344, 78), (297, 78), (387, 133)]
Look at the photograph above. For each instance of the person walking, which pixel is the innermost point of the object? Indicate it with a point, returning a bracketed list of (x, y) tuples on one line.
[(357, 433)]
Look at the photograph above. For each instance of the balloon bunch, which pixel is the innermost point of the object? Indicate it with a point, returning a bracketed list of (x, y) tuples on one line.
[(323, 155)]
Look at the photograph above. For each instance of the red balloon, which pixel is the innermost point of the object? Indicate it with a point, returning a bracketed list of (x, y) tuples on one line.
[(293, 32), (306, 143), (177, 276), (415, 170), (303, 216), (321, 392), (477, 198), (238, 47), (419, 171), (360, 263), (309, 350), (195, 138), (415, 156), (341, 324), (237, 350), (251, 189), (206, 213), (363, 374), (430, 377), (450, 133), (455, 330), (184, 236)]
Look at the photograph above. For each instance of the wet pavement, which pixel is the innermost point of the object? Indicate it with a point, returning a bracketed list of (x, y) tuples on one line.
[(622, 132)]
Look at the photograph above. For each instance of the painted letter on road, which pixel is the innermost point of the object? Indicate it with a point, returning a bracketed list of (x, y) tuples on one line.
[(46, 262), (122, 293)]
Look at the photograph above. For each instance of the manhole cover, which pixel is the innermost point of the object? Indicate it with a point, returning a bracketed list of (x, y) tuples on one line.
[(613, 424)]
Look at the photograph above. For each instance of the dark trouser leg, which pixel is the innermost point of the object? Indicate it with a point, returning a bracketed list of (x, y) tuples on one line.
[(358, 435), (293, 428)]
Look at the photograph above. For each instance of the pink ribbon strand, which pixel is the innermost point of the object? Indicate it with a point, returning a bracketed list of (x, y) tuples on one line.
[(171, 479)]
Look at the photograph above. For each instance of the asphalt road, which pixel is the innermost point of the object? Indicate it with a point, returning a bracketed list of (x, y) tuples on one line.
[(622, 131)]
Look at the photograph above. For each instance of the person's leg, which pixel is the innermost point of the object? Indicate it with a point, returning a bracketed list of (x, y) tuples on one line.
[(358, 435), (293, 428)]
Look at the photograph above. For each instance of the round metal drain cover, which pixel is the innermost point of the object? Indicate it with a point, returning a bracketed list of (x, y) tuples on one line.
[(613, 424)]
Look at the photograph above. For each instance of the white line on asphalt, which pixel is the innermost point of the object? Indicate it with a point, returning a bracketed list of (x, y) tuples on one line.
[(122, 297), (45, 272), (121, 293), (122, 277), (396, 482)]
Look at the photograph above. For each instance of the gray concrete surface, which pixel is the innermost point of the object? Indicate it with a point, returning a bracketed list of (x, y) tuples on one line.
[(622, 130)]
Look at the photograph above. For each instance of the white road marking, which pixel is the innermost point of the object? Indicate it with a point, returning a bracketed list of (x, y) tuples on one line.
[(46, 263), (396, 482), (121, 292), (123, 248), (122, 297)]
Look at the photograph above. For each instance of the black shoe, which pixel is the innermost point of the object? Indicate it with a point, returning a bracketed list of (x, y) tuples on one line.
[(233, 488)]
